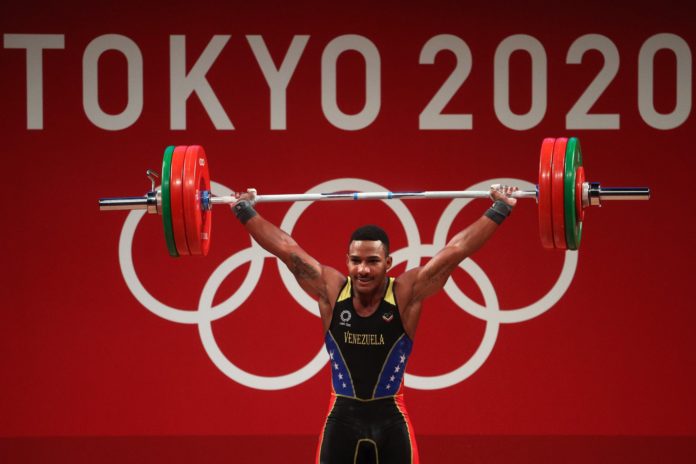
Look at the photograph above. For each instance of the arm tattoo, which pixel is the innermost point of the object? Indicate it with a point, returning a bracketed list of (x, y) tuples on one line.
[(301, 269)]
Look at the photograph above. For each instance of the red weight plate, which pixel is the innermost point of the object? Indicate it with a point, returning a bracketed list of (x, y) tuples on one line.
[(176, 189), (207, 215), (557, 190), (544, 199), (579, 180), (196, 180)]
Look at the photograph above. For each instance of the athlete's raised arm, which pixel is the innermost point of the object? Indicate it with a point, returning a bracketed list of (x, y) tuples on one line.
[(415, 285), (322, 282)]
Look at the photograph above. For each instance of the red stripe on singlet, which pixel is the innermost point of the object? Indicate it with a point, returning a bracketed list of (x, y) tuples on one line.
[(401, 406), (332, 402)]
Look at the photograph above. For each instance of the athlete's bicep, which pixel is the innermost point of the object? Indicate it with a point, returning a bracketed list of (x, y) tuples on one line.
[(317, 280), (423, 281), (302, 265), (307, 270)]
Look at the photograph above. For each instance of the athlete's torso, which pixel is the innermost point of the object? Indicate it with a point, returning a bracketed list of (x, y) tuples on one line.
[(368, 354)]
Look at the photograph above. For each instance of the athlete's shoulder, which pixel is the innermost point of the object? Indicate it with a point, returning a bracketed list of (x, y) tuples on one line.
[(408, 278), (332, 277), (403, 285)]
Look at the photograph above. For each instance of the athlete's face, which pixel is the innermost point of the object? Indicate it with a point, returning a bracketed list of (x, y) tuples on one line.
[(367, 265)]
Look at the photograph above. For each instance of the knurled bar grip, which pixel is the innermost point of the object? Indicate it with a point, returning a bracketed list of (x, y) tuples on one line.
[(370, 196)]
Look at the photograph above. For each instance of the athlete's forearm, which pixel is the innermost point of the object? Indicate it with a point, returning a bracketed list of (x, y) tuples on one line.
[(471, 239), (280, 244), (433, 276), (270, 237)]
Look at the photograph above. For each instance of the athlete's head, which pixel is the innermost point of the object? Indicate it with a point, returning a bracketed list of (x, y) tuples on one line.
[(368, 258), (371, 232)]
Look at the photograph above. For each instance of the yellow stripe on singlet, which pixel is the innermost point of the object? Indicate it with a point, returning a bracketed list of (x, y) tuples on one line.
[(389, 296), (345, 293)]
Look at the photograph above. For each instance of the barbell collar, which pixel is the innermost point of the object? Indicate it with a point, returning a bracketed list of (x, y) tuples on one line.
[(597, 194), (123, 203), (151, 201), (624, 193)]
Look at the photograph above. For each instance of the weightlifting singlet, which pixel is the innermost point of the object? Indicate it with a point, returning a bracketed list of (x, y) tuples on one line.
[(367, 419)]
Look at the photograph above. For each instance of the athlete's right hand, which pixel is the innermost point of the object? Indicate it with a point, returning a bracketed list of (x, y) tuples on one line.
[(249, 195)]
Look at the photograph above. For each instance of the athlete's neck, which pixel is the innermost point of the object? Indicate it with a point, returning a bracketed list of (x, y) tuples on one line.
[(368, 302)]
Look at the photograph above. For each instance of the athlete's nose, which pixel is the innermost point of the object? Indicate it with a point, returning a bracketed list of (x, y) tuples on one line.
[(363, 269)]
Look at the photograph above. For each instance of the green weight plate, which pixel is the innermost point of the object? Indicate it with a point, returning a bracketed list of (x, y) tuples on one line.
[(573, 226), (166, 202)]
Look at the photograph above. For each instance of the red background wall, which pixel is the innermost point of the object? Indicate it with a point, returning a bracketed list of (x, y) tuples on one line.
[(609, 366)]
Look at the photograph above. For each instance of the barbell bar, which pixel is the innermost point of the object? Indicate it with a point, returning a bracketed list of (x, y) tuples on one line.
[(184, 199)]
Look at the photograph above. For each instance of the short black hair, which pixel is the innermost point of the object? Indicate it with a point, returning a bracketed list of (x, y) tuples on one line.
[(371, 232)]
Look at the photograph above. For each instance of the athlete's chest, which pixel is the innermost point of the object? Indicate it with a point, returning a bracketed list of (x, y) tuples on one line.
[(379, 318), (379, 329), (354, 324)]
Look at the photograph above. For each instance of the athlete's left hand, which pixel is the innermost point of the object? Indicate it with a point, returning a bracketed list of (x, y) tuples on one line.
[(504, 193)]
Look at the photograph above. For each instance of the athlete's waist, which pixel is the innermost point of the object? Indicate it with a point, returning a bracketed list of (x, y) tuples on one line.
[(386, 410), (399, 397)]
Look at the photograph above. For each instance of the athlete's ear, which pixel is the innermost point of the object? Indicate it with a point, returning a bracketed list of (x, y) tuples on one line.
[(389, 262)]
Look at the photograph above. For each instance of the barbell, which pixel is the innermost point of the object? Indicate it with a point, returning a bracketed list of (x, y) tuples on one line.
[(184, 199)]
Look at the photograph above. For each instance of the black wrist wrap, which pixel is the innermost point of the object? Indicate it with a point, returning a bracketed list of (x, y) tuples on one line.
[(498, 211), (244, 211)]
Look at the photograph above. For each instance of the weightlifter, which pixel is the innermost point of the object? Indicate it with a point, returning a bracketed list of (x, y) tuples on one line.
[(370, 321)]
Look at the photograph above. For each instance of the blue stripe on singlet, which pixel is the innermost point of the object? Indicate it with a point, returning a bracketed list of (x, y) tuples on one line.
[(394, 367), (340, 376)]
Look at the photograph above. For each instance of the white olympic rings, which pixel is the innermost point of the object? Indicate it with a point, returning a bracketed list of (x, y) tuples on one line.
[(206, 313)]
